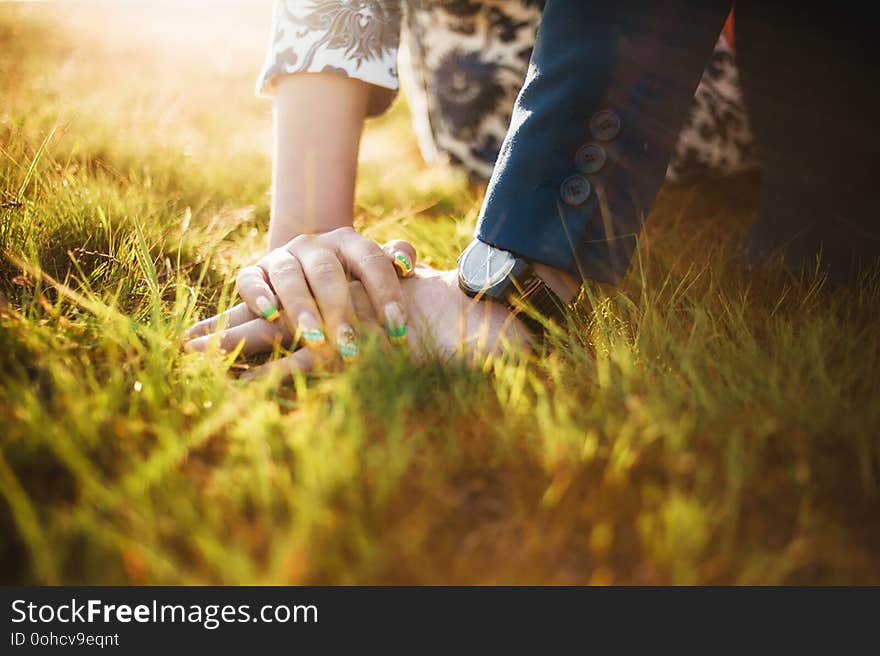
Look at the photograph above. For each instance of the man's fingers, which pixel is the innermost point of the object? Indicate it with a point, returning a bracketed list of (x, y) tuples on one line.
[(258, 336), (288, 280), (301, 361), (234, 316), (254, 289), (403, 256)]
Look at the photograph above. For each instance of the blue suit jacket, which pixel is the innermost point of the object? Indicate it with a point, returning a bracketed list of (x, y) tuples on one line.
[(607, 91)]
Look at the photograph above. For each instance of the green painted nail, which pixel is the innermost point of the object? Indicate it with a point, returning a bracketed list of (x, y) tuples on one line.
[(396, 335), (346, 343), (267, 308), (395, 323), (309, 330), (401, 261), (313, 337)]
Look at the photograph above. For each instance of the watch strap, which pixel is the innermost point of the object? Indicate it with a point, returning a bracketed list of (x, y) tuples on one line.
[(536, 294)]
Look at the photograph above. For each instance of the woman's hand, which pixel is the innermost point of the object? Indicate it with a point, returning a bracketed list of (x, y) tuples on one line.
[(306, 284), (443, 321)]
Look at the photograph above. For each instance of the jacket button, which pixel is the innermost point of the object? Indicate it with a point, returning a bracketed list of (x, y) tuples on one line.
[(605, 125), (575, 190), (590, 158)]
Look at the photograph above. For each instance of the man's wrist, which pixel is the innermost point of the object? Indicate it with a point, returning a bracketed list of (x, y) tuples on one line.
[(564, 284)]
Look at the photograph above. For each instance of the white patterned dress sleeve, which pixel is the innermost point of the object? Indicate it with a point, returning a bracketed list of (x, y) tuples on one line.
[(354, 38)]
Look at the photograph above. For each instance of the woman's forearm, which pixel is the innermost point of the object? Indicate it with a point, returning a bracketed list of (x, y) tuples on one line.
[(318, 124)]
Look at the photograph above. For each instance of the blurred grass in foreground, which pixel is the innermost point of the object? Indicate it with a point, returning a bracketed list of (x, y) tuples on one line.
[(702, 427)]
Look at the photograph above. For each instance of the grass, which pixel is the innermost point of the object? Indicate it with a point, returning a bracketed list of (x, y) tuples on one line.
[(701, 426)]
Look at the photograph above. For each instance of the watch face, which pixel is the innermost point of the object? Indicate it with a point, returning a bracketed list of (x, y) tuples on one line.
[(481, 266)]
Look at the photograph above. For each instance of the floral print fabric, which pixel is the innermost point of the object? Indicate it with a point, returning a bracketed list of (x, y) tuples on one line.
[(464, 62), (354, 38)]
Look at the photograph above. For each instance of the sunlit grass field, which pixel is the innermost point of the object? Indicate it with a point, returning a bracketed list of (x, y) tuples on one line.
[(703, 425)]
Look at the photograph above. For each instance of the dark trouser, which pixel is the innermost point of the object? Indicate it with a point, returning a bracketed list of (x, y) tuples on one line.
[(811, 86)]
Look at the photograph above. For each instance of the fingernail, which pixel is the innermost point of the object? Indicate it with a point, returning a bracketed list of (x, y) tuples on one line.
[(401, 261), (267, 308), (346, 343), (309, 330), (395, 324)]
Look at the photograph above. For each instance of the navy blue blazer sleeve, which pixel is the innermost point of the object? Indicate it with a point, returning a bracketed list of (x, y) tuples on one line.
[(607, 91)]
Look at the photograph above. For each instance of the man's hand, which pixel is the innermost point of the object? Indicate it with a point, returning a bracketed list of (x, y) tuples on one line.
[(442, 321)]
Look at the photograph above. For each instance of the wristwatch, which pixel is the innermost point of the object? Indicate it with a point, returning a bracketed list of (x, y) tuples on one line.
[(501, 276)]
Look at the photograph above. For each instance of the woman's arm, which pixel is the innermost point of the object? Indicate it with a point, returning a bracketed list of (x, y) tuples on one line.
[(329, 66), (318, 122)]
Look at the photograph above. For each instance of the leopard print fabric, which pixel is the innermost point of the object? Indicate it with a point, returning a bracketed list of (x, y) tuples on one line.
[(716, 139), (463, 63)]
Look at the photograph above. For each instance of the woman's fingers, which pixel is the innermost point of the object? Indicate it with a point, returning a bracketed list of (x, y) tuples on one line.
[(258, 336), (306, 360), (363, 309), (289, 282), (234, 316), (369, 264), (307, 281), (328, 283), (402, 255), (254, 289)]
